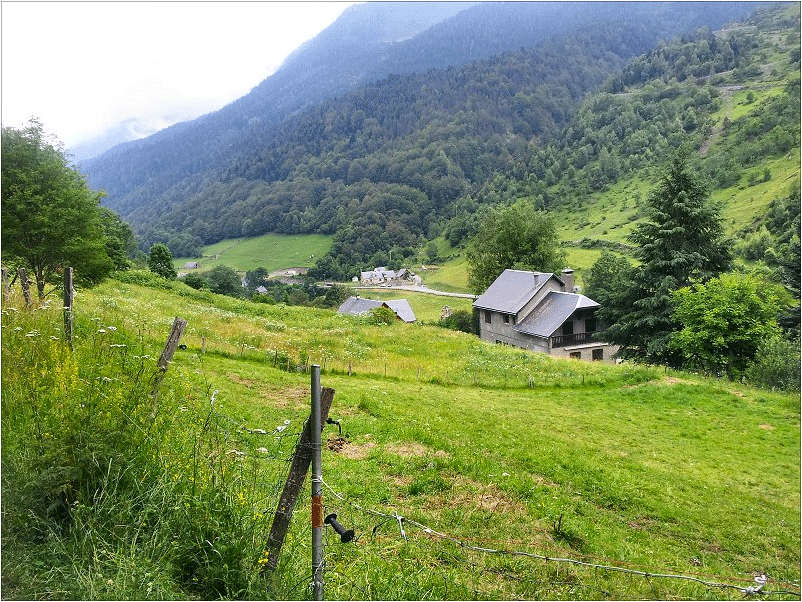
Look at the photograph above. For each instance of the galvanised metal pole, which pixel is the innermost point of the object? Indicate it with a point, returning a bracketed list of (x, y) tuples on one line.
[(317, 487)]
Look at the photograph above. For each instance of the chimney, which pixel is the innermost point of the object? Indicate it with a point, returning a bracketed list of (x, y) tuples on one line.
[(568, 279)]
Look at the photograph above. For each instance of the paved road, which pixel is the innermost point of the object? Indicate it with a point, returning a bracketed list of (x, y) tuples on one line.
[(416, 289)]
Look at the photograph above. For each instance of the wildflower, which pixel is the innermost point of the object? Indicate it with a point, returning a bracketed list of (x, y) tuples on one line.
[(118, 345), (102, 331), (111, 328), (33, 333), (235, 452)]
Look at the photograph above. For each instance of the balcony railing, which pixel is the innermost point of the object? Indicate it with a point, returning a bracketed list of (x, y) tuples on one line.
[(564, 340)]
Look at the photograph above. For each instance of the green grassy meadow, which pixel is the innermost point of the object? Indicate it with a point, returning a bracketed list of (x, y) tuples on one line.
[(496, 458), (270, 251)]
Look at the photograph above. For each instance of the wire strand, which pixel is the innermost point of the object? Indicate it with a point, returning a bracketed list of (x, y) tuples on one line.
[(750, 590)]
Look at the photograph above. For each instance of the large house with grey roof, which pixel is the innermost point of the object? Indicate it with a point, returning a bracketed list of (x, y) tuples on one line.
[(541, 312)]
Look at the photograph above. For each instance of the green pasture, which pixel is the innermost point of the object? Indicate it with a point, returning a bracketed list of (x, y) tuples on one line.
[(486, 446), (271, 251)]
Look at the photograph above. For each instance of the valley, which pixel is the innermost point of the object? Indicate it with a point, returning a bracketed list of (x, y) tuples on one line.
[(149, 428)]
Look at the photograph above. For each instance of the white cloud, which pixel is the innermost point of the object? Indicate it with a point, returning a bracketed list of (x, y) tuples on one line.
[(83, 67)]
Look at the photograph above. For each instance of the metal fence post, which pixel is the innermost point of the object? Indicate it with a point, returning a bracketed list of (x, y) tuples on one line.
[(316, 428)]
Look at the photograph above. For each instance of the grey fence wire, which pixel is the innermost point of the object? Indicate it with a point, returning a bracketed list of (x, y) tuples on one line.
[(758, 588)]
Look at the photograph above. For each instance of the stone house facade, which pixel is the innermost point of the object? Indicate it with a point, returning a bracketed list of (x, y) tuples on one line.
[(543, 313)]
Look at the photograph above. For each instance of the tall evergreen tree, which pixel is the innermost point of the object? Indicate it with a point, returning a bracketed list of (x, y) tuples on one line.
[(680, 241)]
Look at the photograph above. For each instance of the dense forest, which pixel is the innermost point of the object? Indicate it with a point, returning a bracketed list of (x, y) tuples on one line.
[(413, 156)]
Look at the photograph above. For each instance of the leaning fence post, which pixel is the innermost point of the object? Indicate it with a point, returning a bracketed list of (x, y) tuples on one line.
[(26, 286), (68, 299), (301, 460), (167, 355)]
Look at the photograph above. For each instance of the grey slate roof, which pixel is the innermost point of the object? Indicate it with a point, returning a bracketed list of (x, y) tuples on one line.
[(357, 306), (552, 311), (511, 291), (402, 309)]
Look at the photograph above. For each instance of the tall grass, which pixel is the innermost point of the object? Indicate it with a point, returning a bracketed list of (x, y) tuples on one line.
[(118, 484)]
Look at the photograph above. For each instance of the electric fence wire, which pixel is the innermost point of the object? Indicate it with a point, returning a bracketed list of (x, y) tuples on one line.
[(749, 590)]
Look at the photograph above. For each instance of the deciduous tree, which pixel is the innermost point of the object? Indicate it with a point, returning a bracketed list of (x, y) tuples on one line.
[(514, 236), (50, 216), (725, 320), (160, 261)]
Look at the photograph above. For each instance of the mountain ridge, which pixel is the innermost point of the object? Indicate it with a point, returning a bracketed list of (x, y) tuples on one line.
[(190, 147)]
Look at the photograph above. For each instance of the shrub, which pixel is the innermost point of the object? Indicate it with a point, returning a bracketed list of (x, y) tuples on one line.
[(382, 316), (461, 320), (776, 365)]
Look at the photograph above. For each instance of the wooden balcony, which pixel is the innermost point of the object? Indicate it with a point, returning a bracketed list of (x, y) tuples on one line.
[(564, 340)]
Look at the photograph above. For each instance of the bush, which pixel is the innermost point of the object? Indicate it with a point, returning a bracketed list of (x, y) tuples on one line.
[(776, 365), (461, 320), (195, 280), (382, 316)]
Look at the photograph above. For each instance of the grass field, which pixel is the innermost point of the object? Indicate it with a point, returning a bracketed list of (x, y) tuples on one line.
[(496, 458), (270, 251)]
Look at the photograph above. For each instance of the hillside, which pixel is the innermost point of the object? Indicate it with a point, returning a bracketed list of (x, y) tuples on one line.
[(239, 152), (518, 475)]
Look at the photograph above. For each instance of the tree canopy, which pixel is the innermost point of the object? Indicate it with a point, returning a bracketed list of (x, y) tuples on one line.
[(514, 236), (51, 218), (725, 320), (160, 261)]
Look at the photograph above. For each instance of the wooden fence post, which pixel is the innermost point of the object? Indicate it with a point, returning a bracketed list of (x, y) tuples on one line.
[(6, 286), (167, 355), (172, 343), (26, 286), (68, 299), (301, 460)]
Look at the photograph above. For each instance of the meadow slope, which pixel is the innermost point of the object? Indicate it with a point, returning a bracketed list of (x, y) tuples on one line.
[(630, 468)]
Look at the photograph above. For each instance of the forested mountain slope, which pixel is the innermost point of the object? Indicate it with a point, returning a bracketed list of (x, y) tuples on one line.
[(207, 168)]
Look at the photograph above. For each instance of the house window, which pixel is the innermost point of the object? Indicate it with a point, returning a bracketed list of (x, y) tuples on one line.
[(487, 316), (590, 325), (598, 355), (568, 328), (506, 319), (576, 355)]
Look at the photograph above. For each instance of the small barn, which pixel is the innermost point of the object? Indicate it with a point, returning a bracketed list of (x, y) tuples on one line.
[(357, 306)]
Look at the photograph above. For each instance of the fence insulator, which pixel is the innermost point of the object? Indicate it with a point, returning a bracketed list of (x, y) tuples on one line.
[(345, 536)]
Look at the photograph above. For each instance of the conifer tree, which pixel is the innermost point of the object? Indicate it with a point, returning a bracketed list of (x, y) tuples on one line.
[(680, 242)]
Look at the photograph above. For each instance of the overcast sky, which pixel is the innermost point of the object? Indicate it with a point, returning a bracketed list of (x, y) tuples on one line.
[(83, 67)]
